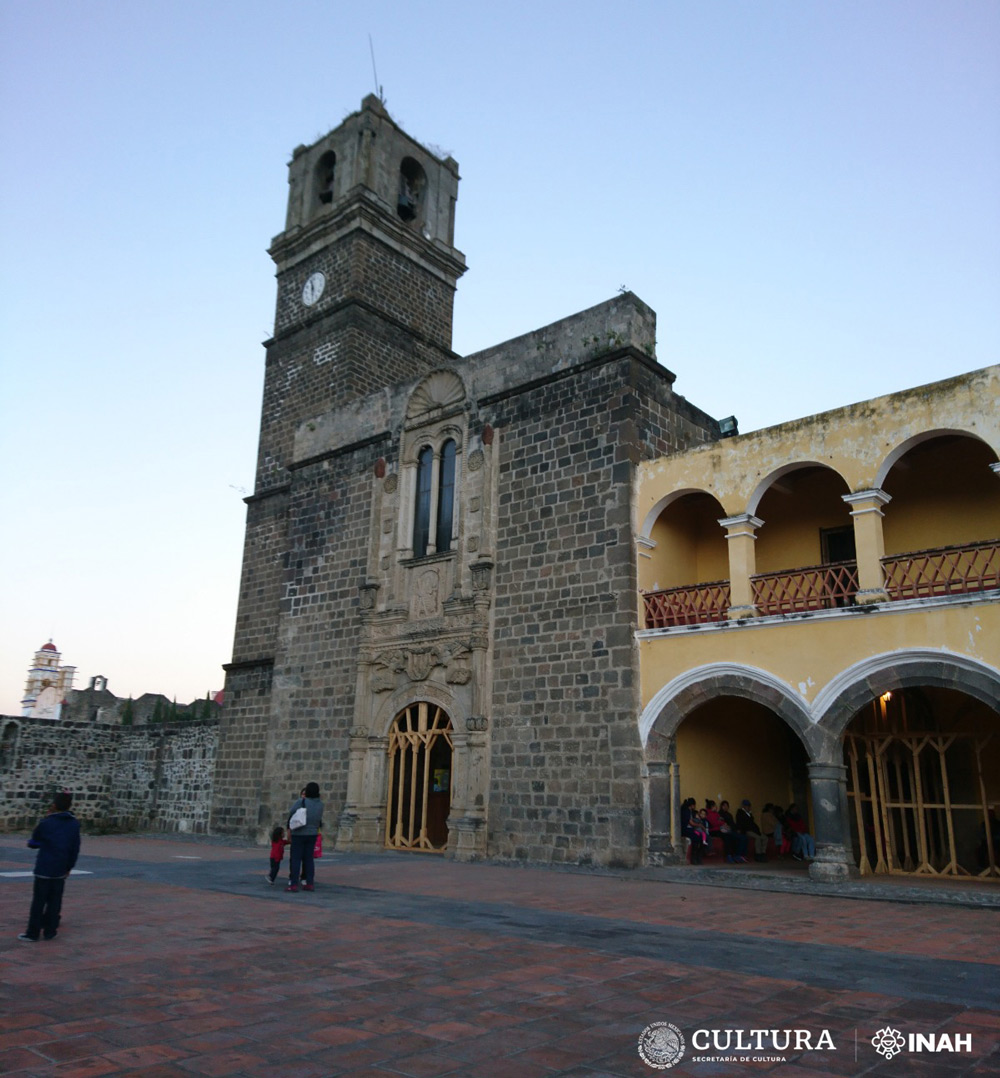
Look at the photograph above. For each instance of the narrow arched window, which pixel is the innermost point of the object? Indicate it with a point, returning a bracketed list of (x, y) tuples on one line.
[(446, 496), (325, 171), (422, 516)]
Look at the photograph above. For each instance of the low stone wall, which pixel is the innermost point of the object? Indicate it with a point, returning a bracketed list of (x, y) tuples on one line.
[(150, 778)]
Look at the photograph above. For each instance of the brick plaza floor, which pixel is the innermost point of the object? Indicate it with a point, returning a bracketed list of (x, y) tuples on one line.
[(175, 958)]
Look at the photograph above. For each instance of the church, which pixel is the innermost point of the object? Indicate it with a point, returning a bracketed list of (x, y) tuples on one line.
[(464, 604)]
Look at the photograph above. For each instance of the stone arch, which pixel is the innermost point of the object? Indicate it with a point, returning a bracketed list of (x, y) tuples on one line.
[(412, 190), (772, 477), (676, 700), (904, 447), (433, 440), (409, 694), (841, 699), (324, 175)]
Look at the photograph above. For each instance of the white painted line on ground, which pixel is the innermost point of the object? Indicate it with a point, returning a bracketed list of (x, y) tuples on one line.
[(185, 857), (16, 875)]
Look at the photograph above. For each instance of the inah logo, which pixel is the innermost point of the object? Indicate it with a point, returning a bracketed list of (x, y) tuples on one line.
[(888, 1042), (661, 1045)]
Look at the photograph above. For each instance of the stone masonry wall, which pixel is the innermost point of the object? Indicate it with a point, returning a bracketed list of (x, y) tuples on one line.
[(312, 698), (566, 756), (156, 778)]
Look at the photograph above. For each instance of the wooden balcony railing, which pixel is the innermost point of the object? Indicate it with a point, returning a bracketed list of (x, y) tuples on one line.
[(955, 570), (952, 570), (819, 587), (691, 605)]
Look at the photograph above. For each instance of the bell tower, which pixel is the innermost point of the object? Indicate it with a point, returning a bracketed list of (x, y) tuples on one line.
[(366, 271), (366, 265), (366, 276)]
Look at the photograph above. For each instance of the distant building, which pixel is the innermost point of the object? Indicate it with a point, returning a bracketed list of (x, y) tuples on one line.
[(48, 684), (49, 694)]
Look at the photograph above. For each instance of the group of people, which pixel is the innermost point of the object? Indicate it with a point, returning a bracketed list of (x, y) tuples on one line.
[(305, 838), (701, 825), (57, 841)]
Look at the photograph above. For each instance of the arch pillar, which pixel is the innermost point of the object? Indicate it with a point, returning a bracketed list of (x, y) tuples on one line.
[(828, 785), (741, 534), (664, 842), (869, 543)]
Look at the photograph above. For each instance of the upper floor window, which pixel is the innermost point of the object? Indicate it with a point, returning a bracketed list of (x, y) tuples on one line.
[(422, 508), (434, 507), (433, 434), (446, 496)]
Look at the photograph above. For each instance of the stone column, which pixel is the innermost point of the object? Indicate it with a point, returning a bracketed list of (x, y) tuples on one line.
[(432, 523), (362, 821), (467, 819), (741, 533), (869, 543), (828, 784), (659, 849), (350, 814)]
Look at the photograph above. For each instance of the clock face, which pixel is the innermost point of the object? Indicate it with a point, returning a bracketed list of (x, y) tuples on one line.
[(313, 288)]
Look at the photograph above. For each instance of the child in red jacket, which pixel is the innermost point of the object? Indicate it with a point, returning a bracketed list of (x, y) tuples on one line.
[(278, 844)]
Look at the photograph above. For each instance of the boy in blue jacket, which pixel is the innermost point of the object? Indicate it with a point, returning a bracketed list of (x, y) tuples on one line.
[(57, 839)]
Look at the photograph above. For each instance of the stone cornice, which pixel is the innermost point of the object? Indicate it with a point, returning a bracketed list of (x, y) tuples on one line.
[(364, 211)]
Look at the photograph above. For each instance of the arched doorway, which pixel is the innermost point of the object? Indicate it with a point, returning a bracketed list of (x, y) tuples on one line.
[(923, 783), (419, 798)]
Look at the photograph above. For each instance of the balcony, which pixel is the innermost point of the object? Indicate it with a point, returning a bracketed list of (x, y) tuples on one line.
[(953, 570), (819, 587), (692, 605)]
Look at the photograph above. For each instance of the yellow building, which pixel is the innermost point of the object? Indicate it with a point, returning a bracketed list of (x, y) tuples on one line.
[(821, 612)]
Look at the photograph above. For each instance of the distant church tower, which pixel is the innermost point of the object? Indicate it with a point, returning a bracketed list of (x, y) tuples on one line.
[(48, 684)]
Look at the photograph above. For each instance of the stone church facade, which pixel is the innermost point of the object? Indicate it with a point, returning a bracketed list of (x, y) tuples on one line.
[(437, 612)]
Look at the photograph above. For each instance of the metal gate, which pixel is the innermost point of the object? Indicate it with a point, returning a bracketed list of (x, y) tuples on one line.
[(420, 750)]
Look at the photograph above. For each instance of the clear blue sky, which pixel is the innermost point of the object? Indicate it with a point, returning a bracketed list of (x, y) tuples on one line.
[(807, 193)]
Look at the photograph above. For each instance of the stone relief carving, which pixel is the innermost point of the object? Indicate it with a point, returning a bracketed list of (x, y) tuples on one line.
[(475, 460), (418, 663), (439, 390), (391, 483), (383, 680), (426, 602), (482, 575), (458, 673)]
